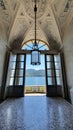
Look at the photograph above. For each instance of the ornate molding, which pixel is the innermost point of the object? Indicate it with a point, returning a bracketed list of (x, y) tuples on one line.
[(29, 7)]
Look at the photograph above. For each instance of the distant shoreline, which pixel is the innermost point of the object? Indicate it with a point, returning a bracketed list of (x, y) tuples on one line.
[(35, 81)]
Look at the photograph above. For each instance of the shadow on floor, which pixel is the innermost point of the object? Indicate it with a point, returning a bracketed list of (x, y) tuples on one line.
[(1, 101)]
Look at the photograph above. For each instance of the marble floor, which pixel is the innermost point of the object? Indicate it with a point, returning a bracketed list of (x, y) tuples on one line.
[(36, 113)]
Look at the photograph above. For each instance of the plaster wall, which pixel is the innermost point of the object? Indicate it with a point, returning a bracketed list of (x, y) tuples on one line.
[(3, 43), (68, 51)]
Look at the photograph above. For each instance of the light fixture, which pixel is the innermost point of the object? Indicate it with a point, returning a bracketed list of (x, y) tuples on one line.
[(35, 53)]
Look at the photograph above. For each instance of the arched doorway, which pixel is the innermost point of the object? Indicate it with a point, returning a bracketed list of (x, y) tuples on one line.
[(35, 81), (35, 76), (17, 66)]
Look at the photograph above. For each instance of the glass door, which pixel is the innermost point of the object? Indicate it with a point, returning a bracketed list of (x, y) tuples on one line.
[(53, 75), (16, 74)]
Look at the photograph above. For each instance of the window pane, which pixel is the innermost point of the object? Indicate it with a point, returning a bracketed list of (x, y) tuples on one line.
[(20, 58), (13, 58), (58, 73), (11, 81), (51, 81), (49, 58), (19, 72), (49, 65), (58, 81), (50, 72), (18, 81), (39, 45), (12, 73), (56, 58), (12, 65), (57, 65), (28, 46), (20, 64), (43, 47)]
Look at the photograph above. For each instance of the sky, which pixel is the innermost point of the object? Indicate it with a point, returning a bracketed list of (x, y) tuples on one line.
[(36, 67)]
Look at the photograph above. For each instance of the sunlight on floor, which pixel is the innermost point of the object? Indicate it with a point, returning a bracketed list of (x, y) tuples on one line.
[(35, 94), (36, 113)]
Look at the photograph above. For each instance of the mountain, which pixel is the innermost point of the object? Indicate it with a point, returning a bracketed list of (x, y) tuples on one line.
[(35, 73)]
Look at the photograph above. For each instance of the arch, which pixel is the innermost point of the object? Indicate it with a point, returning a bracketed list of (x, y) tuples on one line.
[(30, 43)]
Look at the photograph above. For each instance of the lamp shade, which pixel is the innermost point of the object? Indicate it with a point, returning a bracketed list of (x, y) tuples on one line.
[(35, 57)]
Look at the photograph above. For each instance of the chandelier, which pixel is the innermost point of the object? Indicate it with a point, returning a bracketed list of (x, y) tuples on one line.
[(35, 53)]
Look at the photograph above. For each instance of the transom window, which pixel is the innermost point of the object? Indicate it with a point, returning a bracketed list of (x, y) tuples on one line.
[(29, 45)]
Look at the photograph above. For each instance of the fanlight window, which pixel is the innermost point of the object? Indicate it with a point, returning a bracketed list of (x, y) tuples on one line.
[(29, 45)]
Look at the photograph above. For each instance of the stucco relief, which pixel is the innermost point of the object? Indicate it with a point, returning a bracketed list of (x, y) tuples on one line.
[(29, 7)]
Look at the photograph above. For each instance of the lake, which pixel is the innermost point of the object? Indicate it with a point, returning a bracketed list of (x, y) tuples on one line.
[(35, 81)]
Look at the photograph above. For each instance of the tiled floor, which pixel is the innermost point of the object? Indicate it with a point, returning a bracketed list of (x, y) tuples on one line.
[(36, 113)]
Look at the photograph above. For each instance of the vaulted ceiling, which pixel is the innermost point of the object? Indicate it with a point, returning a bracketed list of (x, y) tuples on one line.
[(53, 19)]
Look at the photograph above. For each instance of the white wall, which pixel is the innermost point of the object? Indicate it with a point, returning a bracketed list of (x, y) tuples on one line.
[(68, 51)]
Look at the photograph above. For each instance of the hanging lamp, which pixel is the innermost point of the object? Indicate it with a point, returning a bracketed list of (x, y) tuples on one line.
[(35, 53)]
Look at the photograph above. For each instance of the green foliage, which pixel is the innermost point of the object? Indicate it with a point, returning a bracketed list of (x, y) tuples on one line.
[(34, 89)]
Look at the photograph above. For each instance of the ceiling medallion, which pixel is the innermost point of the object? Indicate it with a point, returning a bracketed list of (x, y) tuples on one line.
[(41, 6)]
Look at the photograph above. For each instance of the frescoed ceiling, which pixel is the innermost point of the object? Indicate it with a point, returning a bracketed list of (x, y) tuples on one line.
[(53, 19)]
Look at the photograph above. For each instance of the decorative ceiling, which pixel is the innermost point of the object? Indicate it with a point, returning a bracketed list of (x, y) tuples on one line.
[(53, 19), (29, 7)]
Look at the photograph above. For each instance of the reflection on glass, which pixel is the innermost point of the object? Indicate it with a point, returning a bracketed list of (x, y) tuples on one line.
[(56, 58), (51, 81), (11, 81), (12, 66), (20, 58), (49, 58), (49, 65), (50, 72), (19, 72), (12, 73), (13, 58), (57, 65), (18, 81), (58, 81), (58, 73), (20, 65)]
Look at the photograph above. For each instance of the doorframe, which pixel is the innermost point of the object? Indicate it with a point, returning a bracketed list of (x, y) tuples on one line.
[(52, 90), (66, 94), (44, 68)]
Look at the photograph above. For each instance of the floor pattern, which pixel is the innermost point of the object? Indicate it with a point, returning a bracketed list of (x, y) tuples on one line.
[(36, 113)]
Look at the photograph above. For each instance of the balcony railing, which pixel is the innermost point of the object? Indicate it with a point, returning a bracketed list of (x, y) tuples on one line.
[(35, 89)]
